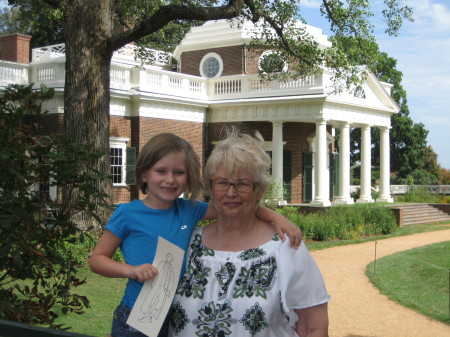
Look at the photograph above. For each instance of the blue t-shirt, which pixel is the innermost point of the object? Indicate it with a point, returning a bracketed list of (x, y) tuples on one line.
[(139, 226)]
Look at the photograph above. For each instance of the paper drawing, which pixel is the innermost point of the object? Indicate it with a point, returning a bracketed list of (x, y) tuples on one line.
[(155, 298)]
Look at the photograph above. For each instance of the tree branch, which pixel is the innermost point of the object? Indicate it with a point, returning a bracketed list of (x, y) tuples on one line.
[(166, 14), (55, 4), (336, 21)]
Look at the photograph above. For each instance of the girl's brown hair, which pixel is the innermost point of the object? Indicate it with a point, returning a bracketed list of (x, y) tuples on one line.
[(162, 145)]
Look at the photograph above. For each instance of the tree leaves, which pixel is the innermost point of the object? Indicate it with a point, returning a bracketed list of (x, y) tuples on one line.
[(37, 272)]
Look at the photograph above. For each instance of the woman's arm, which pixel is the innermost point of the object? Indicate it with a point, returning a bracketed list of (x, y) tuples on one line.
[(101, 261), (281, 224), (312, 321)]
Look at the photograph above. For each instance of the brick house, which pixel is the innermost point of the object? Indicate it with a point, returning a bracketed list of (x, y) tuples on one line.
[(211, 80)]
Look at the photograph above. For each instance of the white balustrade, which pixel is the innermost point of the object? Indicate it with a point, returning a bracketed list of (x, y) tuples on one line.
[(196, 85), (403, 189), (45, 74), (127, 73), (129, 52), (13, 73), (120, 78)]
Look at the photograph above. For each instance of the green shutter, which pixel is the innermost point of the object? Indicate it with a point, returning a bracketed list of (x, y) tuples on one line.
[(307, 176), (287, 174), (130, 174)]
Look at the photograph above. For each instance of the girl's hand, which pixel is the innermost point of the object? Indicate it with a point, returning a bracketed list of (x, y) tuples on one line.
[(294, 233), (282, 225), (143, 272)]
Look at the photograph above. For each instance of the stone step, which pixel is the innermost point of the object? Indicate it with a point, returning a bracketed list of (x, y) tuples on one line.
[(413, 214)]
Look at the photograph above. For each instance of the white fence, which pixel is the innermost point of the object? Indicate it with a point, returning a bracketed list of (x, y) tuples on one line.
[(403, 189), (437, 189)]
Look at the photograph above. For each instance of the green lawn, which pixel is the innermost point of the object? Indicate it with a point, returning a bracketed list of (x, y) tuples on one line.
[(417, 279), (104, 295)]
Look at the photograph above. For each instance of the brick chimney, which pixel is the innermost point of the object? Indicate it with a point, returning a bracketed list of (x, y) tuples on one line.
[(15, 48)]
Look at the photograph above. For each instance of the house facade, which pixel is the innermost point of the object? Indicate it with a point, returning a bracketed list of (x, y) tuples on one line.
[(210, 81)]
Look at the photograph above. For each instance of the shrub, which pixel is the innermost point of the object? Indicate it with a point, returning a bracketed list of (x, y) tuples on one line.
[(81, 250), (37, 272), (418, 194), (343, 222)]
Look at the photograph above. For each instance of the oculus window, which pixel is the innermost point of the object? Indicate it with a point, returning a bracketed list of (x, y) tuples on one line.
[(211, 65)]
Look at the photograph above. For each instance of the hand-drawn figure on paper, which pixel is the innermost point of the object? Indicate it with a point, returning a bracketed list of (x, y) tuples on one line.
[(159, 291)]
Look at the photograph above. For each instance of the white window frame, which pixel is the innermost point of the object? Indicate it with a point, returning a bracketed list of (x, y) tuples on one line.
[(206, 57), (120, 143)]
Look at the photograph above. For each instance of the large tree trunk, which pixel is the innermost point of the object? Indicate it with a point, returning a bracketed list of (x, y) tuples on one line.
[(87, 79)]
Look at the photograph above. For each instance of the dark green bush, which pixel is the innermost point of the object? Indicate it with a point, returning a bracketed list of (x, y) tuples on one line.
[(37, 271)]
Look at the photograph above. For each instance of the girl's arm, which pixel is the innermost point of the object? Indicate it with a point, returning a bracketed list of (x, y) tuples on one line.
[(101, 261), (281, 224)]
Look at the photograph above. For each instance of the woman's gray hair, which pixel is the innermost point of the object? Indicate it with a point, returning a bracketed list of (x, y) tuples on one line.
[(240, 152)]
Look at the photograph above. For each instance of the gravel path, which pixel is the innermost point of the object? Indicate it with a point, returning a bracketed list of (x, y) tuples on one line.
[(357, 309)]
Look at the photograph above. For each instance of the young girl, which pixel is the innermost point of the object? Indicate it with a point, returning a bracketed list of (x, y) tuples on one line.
[(167, 166)]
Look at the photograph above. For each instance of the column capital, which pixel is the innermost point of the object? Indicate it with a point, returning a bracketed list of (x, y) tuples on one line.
[(321, 121), (345, 124), (277, 123)]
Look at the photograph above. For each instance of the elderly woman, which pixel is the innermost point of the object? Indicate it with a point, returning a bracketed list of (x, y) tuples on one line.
[(241, 279)]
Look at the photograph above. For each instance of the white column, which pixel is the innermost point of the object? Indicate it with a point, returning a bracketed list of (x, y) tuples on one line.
[(344, 166), (321, 181), (385, 171), (366, 163), (277, 160)]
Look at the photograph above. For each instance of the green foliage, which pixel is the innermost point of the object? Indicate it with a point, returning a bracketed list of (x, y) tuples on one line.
[(37, 18), (344, 222), (10, 22), (80, 250), (408, 140), (35, 229), (444, 176), (418, 194), (270, 198)]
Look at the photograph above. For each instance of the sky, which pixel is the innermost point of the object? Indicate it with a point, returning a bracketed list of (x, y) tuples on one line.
[(422, 50)]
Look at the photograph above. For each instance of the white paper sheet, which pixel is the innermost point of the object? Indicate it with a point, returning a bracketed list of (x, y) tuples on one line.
[(155, 298)]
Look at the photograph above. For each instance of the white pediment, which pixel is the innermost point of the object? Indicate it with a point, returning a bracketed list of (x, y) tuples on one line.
[(372, 94)]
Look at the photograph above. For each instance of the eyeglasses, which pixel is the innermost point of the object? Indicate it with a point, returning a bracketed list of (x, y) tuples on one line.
[(243, 185)]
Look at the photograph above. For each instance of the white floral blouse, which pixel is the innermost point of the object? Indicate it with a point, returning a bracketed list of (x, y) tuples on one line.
[(247, 293)]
